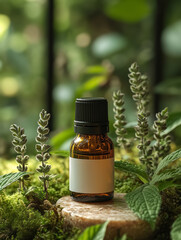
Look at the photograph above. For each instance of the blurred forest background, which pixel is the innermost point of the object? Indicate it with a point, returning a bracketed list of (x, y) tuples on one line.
[(54, 51)]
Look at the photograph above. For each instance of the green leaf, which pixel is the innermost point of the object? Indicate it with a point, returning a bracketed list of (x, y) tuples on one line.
[(61, 153), (173, 121), (7, 179), (171, 39), (96, 232), (108, 44), (61, 137), (131, 168), (168, 174), (176, 229), (91, 84), (145, 201), (97, 69), (167, 160), (128, 11), (170, 87), (167, 184)]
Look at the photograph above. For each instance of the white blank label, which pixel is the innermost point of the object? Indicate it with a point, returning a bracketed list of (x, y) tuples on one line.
[(91, 176)]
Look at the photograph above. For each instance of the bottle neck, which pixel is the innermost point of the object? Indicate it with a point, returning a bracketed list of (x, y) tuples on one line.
[(91, 128)]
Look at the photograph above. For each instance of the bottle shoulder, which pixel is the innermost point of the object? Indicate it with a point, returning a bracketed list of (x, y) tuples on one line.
[(92, 145), (91, 140)]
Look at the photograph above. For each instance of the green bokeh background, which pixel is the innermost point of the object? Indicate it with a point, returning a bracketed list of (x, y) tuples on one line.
[(95, 43)]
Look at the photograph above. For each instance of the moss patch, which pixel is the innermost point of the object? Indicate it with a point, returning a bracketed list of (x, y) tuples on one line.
[(21, 216)]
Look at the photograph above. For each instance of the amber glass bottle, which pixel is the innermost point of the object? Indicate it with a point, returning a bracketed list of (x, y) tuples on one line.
[(91, 153)]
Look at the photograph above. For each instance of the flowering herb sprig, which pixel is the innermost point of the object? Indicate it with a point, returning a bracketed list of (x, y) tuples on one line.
[(43, 149), (162, 140), (153, 145), (139, 88), (120, 120), (19, 143)]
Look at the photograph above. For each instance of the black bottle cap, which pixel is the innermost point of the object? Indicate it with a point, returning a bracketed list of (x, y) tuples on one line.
[(91, 116)]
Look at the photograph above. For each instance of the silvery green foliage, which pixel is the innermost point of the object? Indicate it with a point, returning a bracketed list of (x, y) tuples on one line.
[(139, 87), (163, 140), (132, 168), (168, 174), (19, 143), (176, 229), (167, 160), (7, 179), (145, 201), (42, 148), (120, 120)]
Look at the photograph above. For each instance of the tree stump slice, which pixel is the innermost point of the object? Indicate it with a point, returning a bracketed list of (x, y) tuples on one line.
[(121, 219)]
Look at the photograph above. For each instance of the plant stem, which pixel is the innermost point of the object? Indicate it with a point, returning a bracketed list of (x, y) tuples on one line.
[(23, 183), (45, 187), (44, 181), (20, 184)]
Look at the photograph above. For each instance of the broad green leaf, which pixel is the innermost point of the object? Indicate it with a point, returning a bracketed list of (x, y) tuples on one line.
[(171, 39), (7, 179), (167, 160), (128, 11), (168, 174), (176, 229), (91, 84), (131, 168), (61, 137), (96, 232), (145, 201), (167, 184), (174, 120), (169, 87), (108, 44), (61, 153), (97, 69)]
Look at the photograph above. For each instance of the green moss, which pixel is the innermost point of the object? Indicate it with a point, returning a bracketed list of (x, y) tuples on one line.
[(19, 222), (15, 219), (126, 183), (170, 209), (59, 187), (50, 229)]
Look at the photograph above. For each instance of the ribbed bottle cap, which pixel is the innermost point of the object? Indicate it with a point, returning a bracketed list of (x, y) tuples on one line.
[(91, 116)]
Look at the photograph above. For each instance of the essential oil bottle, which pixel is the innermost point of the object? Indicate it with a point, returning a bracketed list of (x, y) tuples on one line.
[(91, 160)]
